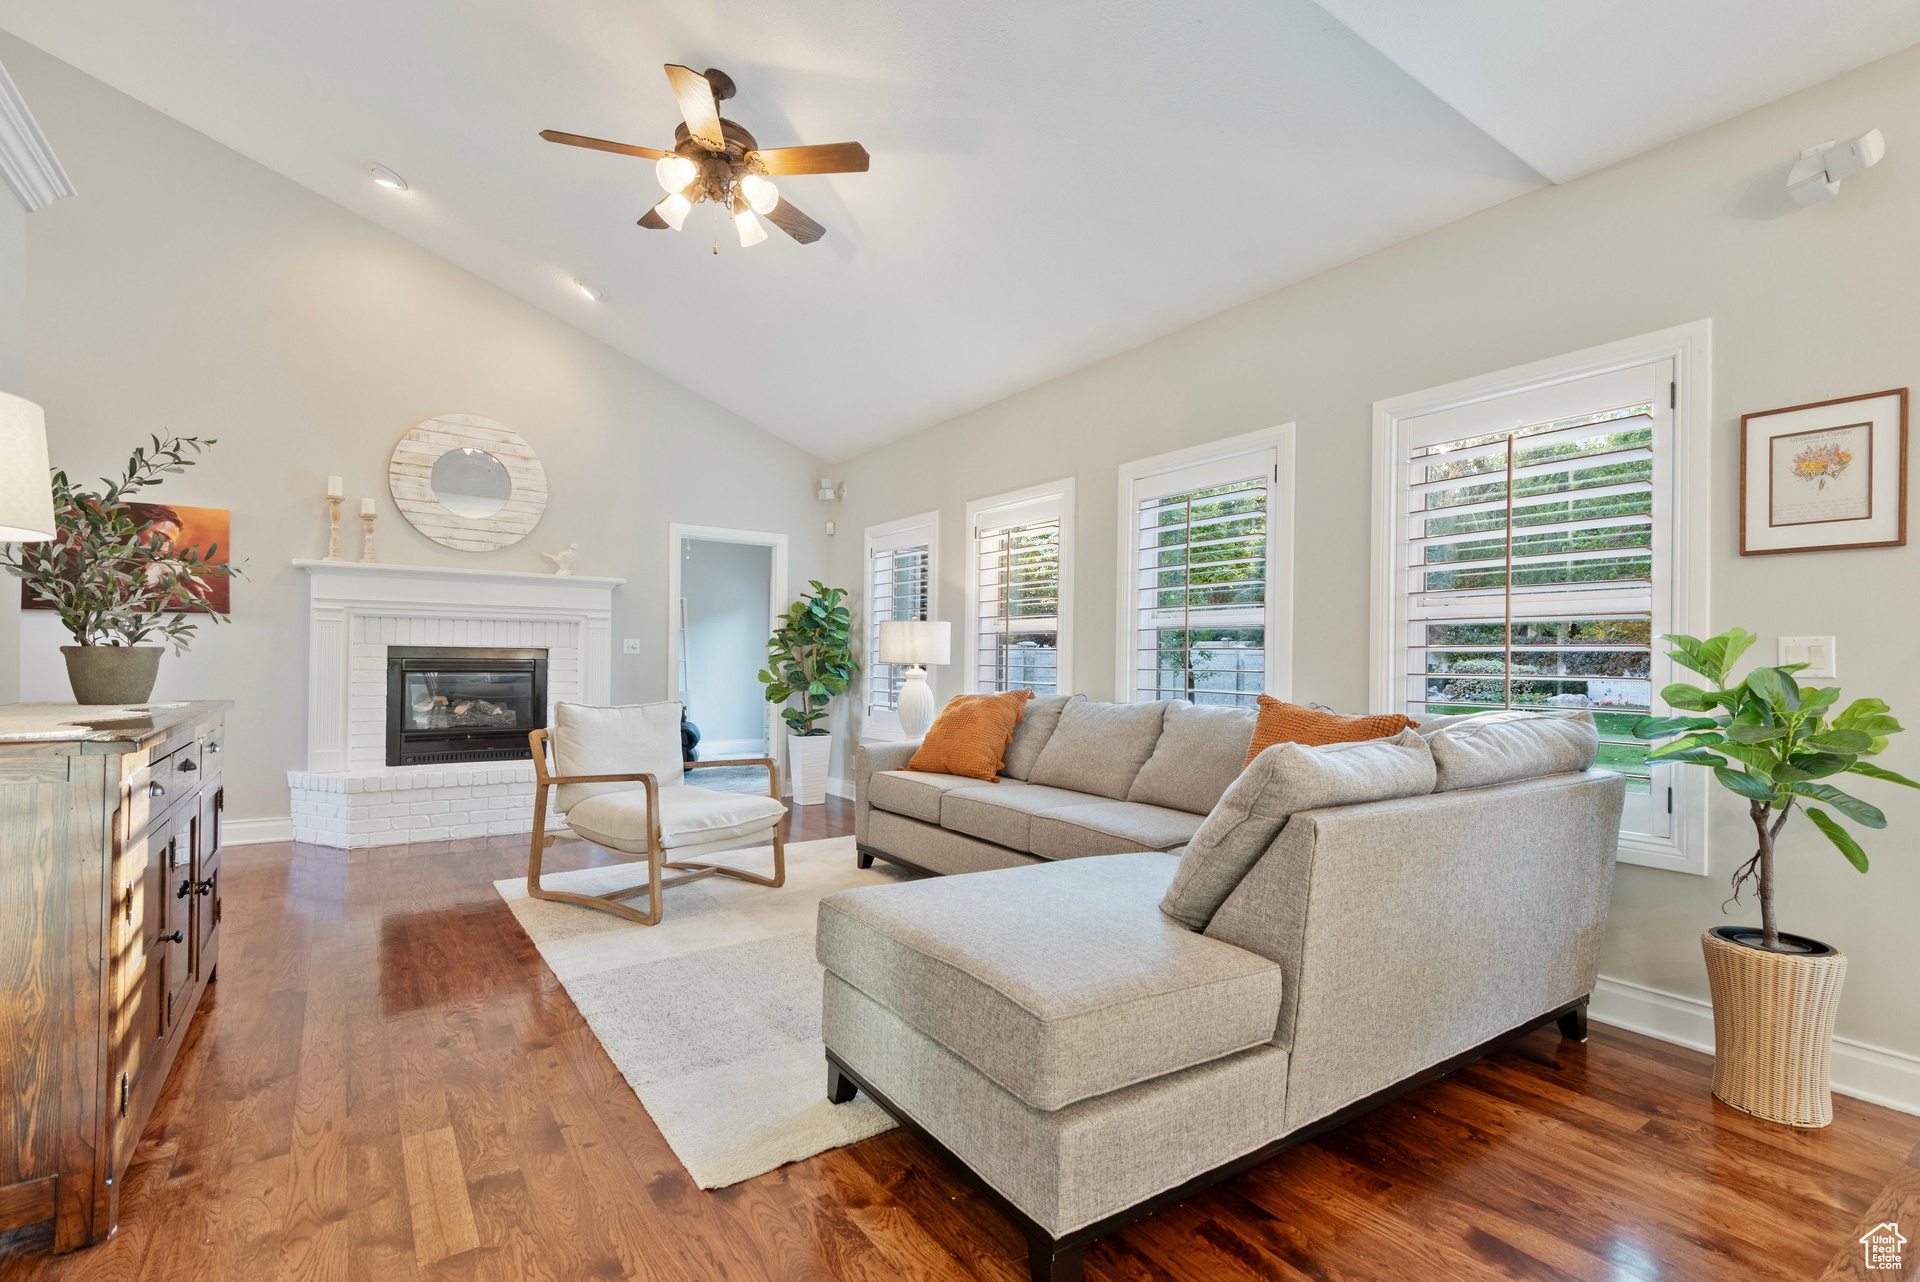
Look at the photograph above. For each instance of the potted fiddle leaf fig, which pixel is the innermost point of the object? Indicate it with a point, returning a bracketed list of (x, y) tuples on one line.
[(1776, 745), (116, 578), (810, 659)]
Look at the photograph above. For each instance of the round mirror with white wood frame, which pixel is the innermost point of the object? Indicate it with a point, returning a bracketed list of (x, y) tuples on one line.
[(467, 482)]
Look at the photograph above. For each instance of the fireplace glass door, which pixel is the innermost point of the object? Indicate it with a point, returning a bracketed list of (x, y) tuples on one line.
[(447, 703)]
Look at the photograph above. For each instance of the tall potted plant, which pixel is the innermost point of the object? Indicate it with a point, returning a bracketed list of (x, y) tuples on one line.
[(810, 660), (116, 578), (1771, 742)]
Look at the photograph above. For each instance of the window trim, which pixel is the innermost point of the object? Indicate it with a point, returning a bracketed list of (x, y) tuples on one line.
[(1280, 543), (1688, 598), (886, 725), (1064, 491)]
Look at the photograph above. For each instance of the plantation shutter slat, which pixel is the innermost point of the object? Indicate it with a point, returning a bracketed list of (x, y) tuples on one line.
[(1200, 581), (898, 590), (1530, 561), (1016, 559)]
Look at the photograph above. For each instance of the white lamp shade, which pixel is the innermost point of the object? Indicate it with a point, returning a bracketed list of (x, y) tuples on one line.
[(916, 641), (26, 491)]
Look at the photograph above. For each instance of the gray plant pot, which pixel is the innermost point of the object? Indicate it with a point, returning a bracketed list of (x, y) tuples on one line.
[(103, 674)]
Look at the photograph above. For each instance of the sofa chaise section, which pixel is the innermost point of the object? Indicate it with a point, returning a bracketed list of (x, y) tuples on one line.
[(1409, 936)]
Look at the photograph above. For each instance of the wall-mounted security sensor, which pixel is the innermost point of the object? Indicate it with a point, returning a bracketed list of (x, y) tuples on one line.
[(1817, 176), (830, 529), (828, 491)]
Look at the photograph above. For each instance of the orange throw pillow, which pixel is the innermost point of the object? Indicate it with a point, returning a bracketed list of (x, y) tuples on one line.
[(1290, 723), (971, 735)]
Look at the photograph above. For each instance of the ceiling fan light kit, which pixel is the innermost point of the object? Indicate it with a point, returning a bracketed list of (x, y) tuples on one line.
[(713, 159), (751, 232), (673, 211)]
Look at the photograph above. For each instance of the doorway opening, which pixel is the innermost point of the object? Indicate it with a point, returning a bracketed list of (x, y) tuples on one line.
[(727, 586)]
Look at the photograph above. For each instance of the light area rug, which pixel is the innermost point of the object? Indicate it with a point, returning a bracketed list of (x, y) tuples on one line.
[(713, 1016)]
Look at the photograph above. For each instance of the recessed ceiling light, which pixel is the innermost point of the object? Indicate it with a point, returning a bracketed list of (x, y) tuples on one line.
[(387, 178), (593, 292)]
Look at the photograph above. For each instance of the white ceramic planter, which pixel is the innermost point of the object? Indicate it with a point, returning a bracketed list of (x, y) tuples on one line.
[(808, 759)]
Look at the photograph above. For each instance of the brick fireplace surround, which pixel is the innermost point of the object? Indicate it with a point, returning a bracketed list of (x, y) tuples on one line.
[(348, 796)]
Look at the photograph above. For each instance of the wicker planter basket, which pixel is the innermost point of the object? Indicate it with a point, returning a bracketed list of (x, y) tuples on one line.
[(1773, 1025)]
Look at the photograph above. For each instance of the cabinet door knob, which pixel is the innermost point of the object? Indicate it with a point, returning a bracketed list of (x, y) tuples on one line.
[(189, 764), (204, 887), (177, 937), (155, 789), (186, 887), (214, 748)]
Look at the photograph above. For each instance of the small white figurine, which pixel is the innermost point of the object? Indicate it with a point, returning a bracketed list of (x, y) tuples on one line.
[(563, 561)]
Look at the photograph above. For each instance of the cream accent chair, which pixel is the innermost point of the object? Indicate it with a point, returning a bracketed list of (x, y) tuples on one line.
[(621, 786)]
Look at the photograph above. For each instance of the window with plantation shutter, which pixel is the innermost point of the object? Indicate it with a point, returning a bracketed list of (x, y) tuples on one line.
[(900, 585), (1200, 599), (1020, 607), (1533, 566)]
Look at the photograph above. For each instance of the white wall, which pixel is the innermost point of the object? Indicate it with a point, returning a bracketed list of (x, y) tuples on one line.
[(726, 586), (189, 289), (1805, 305), (13, 319)]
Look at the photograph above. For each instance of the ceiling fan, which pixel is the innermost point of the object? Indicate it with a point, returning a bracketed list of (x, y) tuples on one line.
[(716, 160)]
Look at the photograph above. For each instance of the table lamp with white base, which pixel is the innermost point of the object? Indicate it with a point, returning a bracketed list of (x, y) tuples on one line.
[(918, 642)]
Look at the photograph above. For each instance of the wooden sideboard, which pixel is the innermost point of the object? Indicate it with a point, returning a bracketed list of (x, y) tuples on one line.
[(109, 934)]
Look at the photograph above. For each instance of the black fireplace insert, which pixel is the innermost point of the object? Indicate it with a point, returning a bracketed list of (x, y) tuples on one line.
[(463, 703)]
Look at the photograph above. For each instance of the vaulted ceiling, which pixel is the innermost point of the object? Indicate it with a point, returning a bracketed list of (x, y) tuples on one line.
[(1051, 183)]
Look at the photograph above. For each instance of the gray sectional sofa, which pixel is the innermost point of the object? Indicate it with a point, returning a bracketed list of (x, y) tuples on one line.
[(1091, 1039), (1081, 778)]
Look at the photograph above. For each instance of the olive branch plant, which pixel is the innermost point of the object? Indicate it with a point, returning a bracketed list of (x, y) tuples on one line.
[(113, 579), (1770, 741), (809, 655)]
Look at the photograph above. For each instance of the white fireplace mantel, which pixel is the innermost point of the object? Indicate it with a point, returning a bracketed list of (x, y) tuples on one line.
[(345, 598)]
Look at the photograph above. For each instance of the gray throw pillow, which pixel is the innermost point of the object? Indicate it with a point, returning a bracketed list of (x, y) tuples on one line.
[(1201, 751), (1036, 726), (1505, 747), (1282, 781), (1099, 747)]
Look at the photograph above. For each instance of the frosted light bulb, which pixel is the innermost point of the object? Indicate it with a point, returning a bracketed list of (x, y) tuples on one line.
[(674, 173), (760, 193), (751, 232), (673, 210)]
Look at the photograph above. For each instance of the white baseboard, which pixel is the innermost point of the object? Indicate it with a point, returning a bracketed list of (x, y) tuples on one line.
[(1870, 1073), (256, 832), (838, 787)]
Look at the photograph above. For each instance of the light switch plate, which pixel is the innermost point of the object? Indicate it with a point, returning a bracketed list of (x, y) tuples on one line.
[(630, 646), (1815, 652)]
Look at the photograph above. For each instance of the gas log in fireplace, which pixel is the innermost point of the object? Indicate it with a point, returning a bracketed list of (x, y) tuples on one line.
[(463, 703)]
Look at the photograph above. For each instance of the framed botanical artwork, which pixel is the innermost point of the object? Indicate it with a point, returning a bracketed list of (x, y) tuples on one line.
[(1832, 474)]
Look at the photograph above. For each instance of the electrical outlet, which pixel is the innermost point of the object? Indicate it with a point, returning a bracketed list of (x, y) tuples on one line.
[(630, 646), (1815, 652)]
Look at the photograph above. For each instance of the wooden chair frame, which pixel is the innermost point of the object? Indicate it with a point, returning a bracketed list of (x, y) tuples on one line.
[(655, 883)]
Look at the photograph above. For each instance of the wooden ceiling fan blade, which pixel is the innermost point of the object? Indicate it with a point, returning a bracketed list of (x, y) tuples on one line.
[(825, 158), (694, 92), (601, 144), (653, 221), (794, 223)]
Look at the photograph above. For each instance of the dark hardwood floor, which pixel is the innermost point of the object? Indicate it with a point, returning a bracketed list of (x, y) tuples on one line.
[(387, 1083)]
